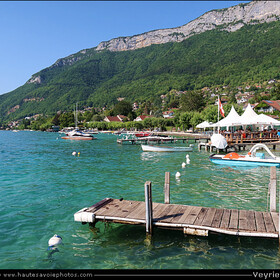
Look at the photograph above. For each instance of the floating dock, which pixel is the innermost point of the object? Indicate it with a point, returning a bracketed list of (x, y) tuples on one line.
[(193, 220)]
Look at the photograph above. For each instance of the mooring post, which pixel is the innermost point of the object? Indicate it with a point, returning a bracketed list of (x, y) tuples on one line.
[(149, 207), (272, 188), (167, 188)]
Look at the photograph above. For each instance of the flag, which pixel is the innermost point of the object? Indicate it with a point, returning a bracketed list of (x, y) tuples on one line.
[(221, 109)]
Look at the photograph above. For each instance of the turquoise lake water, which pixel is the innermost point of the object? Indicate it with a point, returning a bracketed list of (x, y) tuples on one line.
[(42, 185)]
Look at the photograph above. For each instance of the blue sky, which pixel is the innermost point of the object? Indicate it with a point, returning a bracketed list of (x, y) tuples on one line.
[(35, 34)]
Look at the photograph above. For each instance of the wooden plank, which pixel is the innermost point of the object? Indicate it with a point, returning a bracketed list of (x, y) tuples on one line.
[(164, 214), (192, 215), (275, 219), (200, 216), (209, 217), (179, 214), (268, 222), (247, 220), (233, 222), (260, 222), (99, 204), (172, 214), (158, 210), (251, 220), (124, 211), (106, 208), (138, 209), (217, 218), (225, 219), (243, 225), (116, 208), (185, 215)]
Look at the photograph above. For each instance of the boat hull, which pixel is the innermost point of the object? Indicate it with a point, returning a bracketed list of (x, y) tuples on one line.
[(77, 138), (243, 162), (149, 148)]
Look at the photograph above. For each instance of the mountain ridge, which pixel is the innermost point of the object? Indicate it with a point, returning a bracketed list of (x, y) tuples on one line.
[(99, 78), (233, 17), (228, 19)]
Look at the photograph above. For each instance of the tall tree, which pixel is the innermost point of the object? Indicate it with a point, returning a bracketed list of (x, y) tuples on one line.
[(191, 101)]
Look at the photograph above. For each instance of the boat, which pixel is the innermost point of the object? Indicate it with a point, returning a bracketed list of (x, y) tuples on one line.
[(252, 158), (142, 134), (152, 148), (76, 134)]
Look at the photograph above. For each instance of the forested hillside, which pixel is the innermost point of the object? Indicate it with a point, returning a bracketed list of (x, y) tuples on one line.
[(251, 54)]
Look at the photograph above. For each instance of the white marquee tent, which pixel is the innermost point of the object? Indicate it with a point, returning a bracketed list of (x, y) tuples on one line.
[(204, 124), (232, 119), (266, 120), (249, 117)]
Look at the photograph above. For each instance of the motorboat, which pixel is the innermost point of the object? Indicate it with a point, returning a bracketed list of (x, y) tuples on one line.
[(253, 158), (142, 134), (152, 148)]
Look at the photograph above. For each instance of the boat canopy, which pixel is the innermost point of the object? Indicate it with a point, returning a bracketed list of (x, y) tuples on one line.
[(253, 150)]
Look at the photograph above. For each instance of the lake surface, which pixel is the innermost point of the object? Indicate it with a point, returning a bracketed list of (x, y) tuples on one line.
[(42, 185)]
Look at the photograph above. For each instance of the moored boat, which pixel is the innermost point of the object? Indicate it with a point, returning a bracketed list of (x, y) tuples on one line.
[(78, 135), (252, 158), (142, 134), (152, 148)]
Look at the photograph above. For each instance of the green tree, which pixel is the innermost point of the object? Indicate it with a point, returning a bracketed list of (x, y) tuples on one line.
[(185, 120), (122, 108), (196, 119), (191, 101), (66, 119)]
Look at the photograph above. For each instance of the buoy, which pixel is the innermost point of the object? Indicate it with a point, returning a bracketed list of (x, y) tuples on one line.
[(74, 153), (183, 165), (55, 240), (187, 159), (178, 174)]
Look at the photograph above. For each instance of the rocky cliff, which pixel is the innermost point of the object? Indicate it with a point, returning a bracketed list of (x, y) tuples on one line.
[(230, 19)]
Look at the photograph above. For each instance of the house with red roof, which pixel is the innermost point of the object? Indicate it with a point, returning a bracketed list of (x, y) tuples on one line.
[(118, 118), (271, 106), (141, 118)]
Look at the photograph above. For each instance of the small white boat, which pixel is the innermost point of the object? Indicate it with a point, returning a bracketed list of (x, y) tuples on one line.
[(253, 158), (152, 148), (78, 135)]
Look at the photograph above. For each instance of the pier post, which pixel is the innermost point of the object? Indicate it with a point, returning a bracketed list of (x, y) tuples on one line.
[(167, 188), (149, 207), (272, 188)]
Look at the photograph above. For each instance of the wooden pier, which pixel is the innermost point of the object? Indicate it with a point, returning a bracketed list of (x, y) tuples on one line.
[(238, 146), (193, 220), (157, 140)]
